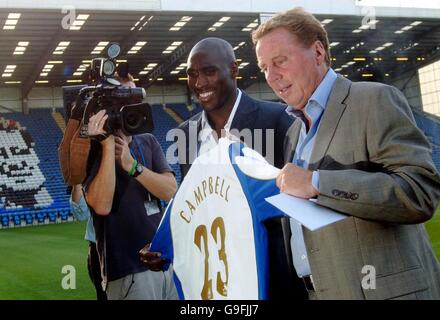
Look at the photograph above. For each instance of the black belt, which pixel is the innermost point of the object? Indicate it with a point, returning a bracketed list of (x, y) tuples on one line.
[(308, 283)]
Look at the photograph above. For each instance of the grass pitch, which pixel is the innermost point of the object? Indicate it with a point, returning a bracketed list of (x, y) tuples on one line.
[(32, 258), (433, 228)]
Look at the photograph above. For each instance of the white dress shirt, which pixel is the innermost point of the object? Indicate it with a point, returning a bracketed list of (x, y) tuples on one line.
[(207, 136)]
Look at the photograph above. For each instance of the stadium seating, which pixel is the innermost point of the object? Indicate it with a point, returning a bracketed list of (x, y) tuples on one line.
[(43, 196), (182, 109), (163, 122), (52, 206), (430, 125)]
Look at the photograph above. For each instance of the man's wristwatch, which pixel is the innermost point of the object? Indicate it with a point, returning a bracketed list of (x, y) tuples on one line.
[(138, 170), (100, 137)]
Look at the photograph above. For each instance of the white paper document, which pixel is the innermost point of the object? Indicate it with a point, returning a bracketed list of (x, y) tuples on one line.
[(305, 212)]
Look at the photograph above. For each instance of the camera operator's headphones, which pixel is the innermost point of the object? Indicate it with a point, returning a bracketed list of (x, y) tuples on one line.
[(122, 69)]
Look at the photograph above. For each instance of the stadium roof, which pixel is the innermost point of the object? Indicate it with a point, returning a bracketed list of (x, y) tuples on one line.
[(33, 41)]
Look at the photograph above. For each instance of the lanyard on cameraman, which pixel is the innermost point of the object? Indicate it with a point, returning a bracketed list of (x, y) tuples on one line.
[(143, 160), (139, 151)]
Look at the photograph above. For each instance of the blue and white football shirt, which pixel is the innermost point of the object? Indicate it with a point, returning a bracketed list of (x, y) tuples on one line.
[(213, 230)]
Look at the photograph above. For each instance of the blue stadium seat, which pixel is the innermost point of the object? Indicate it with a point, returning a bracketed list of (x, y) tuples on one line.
[(64, 214), (41, 217), (5, 221), (17, 220), (29, 218), (431, 129), (52, 216)]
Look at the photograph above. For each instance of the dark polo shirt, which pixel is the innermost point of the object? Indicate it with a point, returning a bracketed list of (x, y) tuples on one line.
[(128, 228)]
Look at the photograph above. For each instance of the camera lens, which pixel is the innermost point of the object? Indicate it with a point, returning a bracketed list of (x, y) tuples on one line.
[(136, 119), (133, 120)]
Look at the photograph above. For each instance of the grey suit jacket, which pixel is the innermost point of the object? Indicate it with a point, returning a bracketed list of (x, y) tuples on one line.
[(374, 165)]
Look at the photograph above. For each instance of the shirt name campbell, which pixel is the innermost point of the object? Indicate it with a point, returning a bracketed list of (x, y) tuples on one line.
[(208, 186)]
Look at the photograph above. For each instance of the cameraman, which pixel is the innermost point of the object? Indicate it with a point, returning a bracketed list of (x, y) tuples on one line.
[(126, 177)]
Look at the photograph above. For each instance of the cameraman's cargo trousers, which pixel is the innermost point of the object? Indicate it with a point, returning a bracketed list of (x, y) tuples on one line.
[(147, 285)]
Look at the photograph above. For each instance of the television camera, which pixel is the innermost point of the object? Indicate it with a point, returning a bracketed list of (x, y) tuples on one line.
[(124, 105)]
